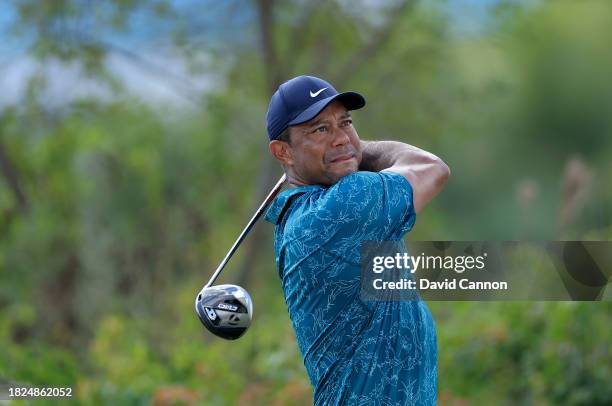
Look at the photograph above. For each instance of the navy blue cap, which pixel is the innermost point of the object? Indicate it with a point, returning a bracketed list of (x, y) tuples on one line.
[(303, 98)]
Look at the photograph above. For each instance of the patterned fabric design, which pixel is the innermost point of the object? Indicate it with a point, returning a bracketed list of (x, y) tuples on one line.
[(355, 352)]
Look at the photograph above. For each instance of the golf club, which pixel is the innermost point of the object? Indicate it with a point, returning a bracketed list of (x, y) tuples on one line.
[(227, 310)]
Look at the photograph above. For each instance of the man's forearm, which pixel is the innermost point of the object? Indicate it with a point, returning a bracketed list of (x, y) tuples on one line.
[(426, 172), (379, 155)]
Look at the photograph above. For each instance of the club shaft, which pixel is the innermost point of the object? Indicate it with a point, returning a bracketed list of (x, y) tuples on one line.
[(277, 188)]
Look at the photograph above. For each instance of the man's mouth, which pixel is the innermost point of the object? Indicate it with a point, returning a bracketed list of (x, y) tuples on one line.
[(342, 158)]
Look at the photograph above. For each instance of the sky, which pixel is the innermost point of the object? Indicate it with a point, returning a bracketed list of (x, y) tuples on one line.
[(155, 72)]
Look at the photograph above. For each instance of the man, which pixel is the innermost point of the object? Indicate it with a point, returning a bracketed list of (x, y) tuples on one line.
[(346, 191)]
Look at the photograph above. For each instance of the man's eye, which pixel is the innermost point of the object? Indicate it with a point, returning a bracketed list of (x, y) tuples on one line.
[(347, 123), (321, 130)]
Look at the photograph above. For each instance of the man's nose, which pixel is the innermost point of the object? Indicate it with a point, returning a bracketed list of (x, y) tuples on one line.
[(339, 137)]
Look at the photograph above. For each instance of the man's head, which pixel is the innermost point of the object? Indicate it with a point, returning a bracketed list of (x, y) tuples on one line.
[(311, 132)]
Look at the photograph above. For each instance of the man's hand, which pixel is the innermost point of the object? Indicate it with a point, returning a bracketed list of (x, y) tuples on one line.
[(426, 172)]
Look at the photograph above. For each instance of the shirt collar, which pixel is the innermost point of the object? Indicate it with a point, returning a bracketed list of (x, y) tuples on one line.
[(278, 206)]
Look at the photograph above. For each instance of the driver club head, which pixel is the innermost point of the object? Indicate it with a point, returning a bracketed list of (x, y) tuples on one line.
[(225, 310)]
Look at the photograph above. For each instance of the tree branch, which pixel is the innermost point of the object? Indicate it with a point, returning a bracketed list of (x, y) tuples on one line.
[(12, 177), (267, 174), (377, 42), (299, 34), (273, 69)]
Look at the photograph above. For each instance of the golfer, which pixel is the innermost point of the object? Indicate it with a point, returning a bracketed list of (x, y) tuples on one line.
[(345, 191)]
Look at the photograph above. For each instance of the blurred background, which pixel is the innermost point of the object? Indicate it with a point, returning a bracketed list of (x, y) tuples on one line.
[(133, 150)]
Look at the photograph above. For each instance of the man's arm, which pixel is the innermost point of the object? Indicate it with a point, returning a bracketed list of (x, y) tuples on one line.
[(426, 172)]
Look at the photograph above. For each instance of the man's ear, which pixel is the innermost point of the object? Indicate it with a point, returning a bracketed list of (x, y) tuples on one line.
[(282, 151)]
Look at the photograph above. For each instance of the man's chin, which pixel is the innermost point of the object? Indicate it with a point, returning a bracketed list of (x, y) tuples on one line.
[(342, 172)]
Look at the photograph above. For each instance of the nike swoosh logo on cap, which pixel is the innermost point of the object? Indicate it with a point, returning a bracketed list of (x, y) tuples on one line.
[(315, 94)]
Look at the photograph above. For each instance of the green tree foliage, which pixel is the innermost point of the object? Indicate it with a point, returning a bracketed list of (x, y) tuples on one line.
[(114, 212)]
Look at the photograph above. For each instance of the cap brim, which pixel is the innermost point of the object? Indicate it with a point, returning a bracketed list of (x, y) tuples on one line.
[(351, 100)]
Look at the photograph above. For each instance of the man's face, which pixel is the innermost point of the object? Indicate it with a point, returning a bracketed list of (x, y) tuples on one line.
[(324, 149)]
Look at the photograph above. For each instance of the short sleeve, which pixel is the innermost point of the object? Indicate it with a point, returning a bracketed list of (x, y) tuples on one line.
[(370, 206)]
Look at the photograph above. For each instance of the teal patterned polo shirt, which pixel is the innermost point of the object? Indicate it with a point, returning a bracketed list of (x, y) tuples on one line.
[(356, 352)]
